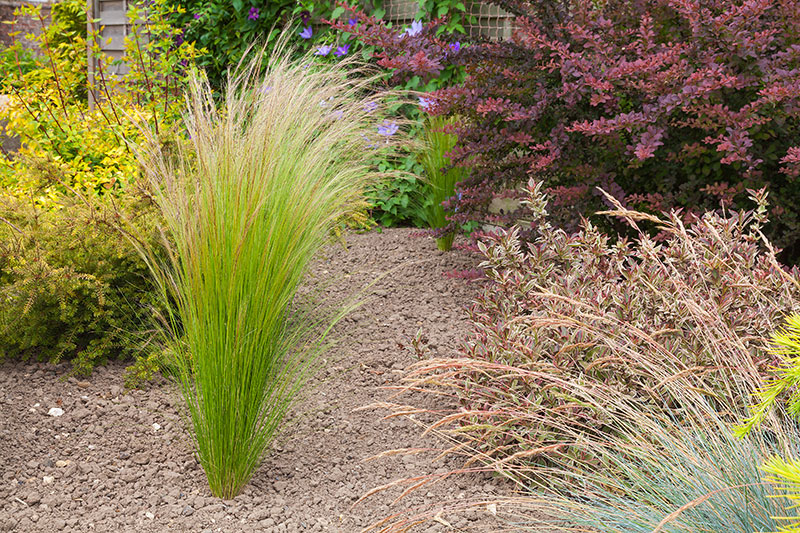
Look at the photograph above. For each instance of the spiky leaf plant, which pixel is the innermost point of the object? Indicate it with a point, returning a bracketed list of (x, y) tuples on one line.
[(442, 177), (784, 470), (272, 165), (786, 345)]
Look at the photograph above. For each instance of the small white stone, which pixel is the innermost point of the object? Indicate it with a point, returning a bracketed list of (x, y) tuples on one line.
[(156, 426), (37, 404), (149, 515), (48, 480), (55, 411), (61, 463)]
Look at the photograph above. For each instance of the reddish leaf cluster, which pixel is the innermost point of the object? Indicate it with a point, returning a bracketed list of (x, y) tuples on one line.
[(655, 97)]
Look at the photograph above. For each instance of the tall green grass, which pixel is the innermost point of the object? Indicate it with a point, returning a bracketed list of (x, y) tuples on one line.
[(269, 171), (442, 177)]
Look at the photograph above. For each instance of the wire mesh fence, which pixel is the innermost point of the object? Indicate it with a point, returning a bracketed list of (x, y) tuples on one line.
[(482, 19)]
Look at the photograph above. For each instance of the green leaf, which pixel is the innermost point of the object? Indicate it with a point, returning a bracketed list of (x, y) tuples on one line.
[(337, 12)]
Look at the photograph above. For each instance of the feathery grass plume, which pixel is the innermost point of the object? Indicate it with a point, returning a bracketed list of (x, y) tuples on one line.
[(442, 177), (256, 193), (645, 472)]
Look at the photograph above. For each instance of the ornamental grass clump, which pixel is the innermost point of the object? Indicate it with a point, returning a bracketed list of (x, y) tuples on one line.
[(442, 177), (269, 170)]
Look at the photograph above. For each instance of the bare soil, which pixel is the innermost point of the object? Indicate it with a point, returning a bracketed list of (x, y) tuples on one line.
[(121, 461)]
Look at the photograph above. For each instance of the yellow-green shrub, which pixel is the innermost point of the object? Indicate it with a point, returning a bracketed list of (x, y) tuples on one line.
[(49, 108), (782, 387), (73, 287)]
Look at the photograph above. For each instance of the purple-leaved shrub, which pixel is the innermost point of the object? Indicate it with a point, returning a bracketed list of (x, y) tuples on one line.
[(662, 103)]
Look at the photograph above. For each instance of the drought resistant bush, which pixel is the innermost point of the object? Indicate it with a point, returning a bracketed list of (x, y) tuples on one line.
[(579, 307), (663, 103), (71, 287), (247, 204), (441, 176)]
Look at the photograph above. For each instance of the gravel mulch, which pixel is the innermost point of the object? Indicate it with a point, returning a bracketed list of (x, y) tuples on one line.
[(121, 461)]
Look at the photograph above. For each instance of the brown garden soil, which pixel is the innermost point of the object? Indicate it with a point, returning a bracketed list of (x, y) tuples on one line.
[(121, 461)]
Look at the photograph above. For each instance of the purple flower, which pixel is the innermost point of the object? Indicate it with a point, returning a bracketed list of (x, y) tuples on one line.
[(265, 90), (369, 107), (253, 13), (305, 17), (352, 22), (307, 33), (342, 50), (370, 144), (425, 103), (387, 129), (197, 16), (456, 46), (323, 50), (415, 28)]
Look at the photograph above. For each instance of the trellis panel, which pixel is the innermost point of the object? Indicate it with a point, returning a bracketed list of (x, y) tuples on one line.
[(491, 21)]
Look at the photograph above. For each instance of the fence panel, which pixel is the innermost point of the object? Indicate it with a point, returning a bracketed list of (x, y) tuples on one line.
[(113, 29)]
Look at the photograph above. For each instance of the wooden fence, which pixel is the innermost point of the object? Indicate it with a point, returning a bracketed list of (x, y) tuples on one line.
[(113, 27)]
